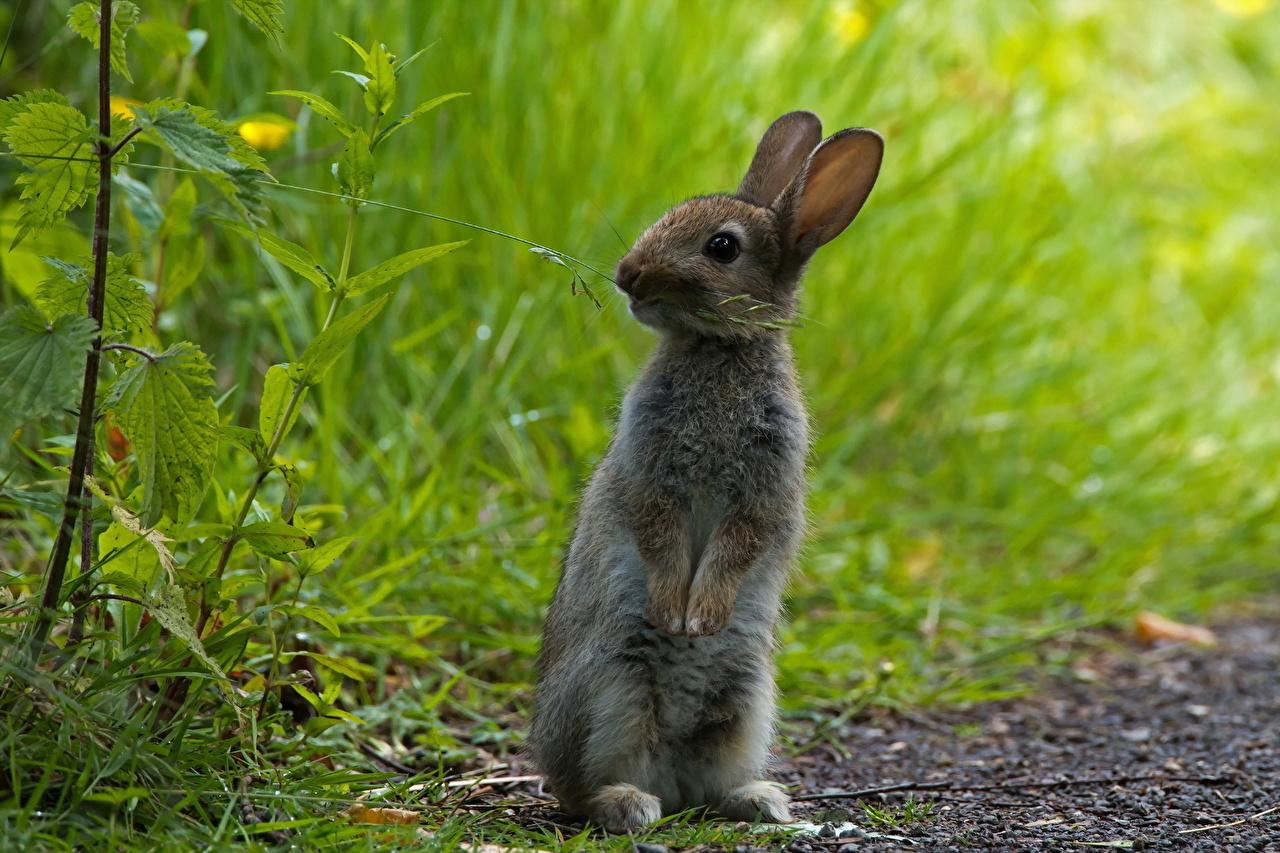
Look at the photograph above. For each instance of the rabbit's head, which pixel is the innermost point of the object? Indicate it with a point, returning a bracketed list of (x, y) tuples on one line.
[(729, 265)]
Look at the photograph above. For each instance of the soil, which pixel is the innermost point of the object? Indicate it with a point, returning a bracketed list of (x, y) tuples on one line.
[(1137, 747), (1171, 747)]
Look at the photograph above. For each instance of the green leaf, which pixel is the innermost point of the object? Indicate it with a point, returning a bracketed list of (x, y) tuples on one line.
[(266, 15), (183, 263), (200, 139), (320, 107), (135, 559), (398, 266), (355, 167), (325, 348), (275, 538), (179, 211), (165, 407), (322, 556), (12, 106), (414, 114), (380, 93), (41, 364), (127, 312), (363, 54), (289, 254), (85, 21), (247, 439), (141, 201), (292, 490), (316, 614), (277, 388), (402, 64), (117, 796), (169, 607), (55, 143)]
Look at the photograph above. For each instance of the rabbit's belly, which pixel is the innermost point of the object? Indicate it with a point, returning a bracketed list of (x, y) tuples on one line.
[(702, 686)]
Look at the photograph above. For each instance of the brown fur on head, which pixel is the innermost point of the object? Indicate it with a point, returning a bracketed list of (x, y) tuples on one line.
[(728, 265)]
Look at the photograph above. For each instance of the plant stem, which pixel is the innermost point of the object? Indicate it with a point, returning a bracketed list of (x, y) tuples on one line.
[(176, 694), (78, 499)]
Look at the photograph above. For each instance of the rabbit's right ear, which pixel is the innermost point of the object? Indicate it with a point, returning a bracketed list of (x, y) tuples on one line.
[(779, 156), (830, 189)]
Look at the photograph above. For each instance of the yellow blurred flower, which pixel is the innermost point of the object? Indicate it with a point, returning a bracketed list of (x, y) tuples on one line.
[(1244, 8), (848, 22), (122, 106), (264, 135)]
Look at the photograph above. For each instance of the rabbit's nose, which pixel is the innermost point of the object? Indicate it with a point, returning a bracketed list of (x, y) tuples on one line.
[(628, 274)]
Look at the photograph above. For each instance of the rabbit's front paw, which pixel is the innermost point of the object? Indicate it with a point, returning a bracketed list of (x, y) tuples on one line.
[(707, 614), (665, 615)]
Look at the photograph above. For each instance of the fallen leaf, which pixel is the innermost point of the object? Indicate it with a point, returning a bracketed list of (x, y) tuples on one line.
[(1152, 627), (360, 813)]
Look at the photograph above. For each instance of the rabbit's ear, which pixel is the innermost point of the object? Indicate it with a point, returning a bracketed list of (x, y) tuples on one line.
[(779, 156), (830, 189)]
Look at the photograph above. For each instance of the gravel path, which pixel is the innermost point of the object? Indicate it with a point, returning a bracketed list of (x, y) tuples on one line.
[(1166, 748)]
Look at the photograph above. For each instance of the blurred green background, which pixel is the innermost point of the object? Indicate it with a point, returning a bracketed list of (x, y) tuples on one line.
[(1042, 365)]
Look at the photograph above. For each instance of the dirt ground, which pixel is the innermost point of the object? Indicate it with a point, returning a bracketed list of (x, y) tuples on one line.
[(1171, 747), (1137, 747)]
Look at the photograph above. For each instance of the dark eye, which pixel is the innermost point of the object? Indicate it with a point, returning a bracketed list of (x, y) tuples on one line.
[(722, 247)]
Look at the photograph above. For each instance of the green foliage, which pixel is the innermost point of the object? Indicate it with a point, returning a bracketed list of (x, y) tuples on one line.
[(127, 310), (290, 254), (320, 107), (40, 363), (276, 538), (165, 407), (327, 346), (54, 141), (395, 267), (355, 167), (278, 389), (266, 15), (84, 19)]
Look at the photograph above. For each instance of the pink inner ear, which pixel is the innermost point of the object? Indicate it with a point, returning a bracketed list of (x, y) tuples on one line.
[(839, 180)]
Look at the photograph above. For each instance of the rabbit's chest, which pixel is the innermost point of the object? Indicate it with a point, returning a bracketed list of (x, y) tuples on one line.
[(708, 444)]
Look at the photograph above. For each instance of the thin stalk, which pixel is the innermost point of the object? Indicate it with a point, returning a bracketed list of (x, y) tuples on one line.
[(176, 694), (77, 499)]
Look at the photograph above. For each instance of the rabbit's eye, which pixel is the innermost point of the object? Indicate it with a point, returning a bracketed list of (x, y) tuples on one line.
[(722, 247)]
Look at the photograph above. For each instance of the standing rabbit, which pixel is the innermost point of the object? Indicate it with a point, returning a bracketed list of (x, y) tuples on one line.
[(655, 689)]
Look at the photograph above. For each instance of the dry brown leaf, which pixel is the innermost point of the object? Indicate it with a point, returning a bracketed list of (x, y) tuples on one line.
[(1151, 627), (360, 813)]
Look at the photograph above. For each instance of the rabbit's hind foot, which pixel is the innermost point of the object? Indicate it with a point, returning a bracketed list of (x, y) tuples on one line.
[(754, 801), (624, 808)]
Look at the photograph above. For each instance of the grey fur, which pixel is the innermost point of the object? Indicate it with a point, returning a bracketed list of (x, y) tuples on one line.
[(655, 689)]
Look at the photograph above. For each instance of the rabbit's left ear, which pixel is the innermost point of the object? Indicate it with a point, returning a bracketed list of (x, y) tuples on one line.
[(830, 190), (779, 156)]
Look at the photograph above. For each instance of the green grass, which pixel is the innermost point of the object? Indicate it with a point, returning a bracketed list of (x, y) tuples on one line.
[(1042, 366)]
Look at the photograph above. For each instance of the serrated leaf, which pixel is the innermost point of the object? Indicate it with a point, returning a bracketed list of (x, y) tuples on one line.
[(380, 93), (277, 389), (266, 15), (322, 556), (320, 107), (415, 114), (127, 311), (398, 266), (10, 107), (275, 538), (55, 143), (325, 348), (200, 139), (355, 167), (166, 409), (134, 558), (41, 364), (84, 20), (292, 491), (246, 439)]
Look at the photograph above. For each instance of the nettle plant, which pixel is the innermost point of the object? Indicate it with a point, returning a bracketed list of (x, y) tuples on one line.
[(154, 552)]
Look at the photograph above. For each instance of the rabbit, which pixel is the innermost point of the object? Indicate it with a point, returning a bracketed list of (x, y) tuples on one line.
[(655, 685)]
